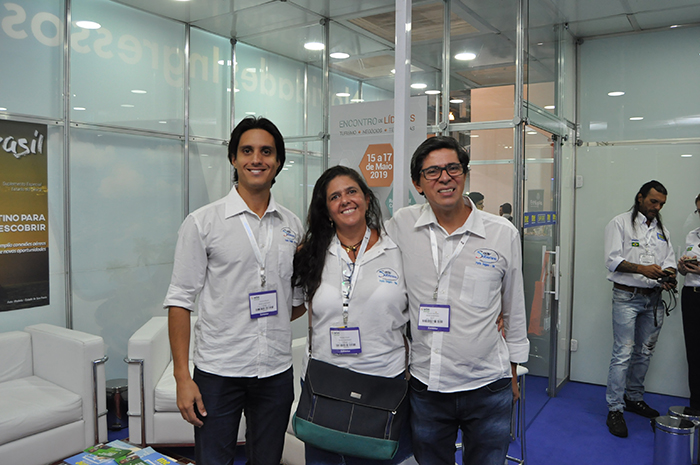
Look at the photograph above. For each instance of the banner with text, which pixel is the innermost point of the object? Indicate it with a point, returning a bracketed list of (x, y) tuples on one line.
[(24, 211), (361, 138)]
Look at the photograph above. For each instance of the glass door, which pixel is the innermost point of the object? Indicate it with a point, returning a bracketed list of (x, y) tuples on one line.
[(541, 250)]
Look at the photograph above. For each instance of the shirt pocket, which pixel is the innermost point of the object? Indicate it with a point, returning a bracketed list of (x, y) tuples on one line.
[(480, 288), (285, 259)]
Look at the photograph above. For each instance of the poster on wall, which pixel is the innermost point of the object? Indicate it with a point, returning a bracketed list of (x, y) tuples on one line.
[(362, 135), (24, 210)]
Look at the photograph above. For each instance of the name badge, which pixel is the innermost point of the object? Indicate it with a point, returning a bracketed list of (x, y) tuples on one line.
[(345, 341), (647, 259), (434, 317), (262, 304)]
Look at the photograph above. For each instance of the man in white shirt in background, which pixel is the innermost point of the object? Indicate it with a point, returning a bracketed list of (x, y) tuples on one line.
[(462, 268), (640, 262), (236, 254)]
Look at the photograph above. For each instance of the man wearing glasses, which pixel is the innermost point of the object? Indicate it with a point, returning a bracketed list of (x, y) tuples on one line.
[(462, 268)]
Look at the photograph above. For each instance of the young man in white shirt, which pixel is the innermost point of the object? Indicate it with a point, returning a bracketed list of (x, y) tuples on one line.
[(462, 268), (236, 255), (638, 256)]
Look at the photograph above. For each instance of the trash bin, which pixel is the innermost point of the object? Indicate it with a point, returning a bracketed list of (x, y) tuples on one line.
[(673, 440), (117, 398), (682, 412)]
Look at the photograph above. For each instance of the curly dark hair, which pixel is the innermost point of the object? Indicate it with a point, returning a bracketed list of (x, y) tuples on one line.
[(311, 255)]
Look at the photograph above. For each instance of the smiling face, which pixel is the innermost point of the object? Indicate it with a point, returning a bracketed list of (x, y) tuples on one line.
[(346, 203), (256, 160), (445, 193)]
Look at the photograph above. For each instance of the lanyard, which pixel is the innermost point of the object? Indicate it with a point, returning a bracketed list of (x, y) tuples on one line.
[(436, 259), (256, 249), (349, 273)]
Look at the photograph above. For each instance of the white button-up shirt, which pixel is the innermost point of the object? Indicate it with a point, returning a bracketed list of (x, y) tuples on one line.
[(378, 306), (214, 259), (483, 280), (624, 242), (692, 247)]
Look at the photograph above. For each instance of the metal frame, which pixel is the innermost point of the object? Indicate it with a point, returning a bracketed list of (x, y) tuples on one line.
[(142, 409), (67, 263), (97, 414)]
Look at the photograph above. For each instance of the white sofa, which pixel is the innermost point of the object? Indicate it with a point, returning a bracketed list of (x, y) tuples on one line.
[(52, 394), (152, 389)]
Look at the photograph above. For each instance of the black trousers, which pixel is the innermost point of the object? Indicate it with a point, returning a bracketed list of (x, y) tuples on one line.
[(690, 303)]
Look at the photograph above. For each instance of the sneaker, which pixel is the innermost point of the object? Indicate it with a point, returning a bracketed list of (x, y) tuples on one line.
[(640, 408), (616, 424)]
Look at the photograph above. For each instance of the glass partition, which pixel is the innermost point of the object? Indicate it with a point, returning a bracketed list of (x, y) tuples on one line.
[(210, 173), (32, 28), (210, 85), (637, 124), (129, 71), (126, 208)]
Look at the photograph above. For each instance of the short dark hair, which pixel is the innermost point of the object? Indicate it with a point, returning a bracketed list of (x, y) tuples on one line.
[(251, 122), (507, 208), (311, 255), (476, 196), (437, 143), (644, 191)]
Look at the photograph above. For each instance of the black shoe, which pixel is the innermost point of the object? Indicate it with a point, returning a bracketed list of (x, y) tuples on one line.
[(640, 408), (616, 424)]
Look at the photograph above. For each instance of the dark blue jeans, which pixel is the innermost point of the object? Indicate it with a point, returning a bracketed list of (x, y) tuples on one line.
[(267, 403), (482, 414)]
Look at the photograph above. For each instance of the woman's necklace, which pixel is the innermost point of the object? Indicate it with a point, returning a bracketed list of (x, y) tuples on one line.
[(352, 248)]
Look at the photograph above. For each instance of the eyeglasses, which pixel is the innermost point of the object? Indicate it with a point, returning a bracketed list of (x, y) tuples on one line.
[(432, 173)]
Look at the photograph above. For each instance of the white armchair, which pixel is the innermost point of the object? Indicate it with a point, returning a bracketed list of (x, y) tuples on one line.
[(154, 418), (52, 394)]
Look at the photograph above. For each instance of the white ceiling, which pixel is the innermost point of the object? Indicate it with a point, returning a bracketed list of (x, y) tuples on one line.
[(364, 29)]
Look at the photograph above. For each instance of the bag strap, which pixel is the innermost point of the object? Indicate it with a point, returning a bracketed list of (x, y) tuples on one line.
[(310, 328)]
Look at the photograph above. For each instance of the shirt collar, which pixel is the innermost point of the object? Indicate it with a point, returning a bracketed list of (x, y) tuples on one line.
[(642, 220), (383, 243), (473, 225), (235, 205)]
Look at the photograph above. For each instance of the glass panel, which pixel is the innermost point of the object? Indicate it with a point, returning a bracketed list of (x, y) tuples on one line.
[(640, 102), (126, 208), (662, 146), (343, 90), (541, 53), (210, 173), (491, 164), (289, 188), (129, 72), (210, 85), (538, 221), (31, 52), (373, 94), (566, 243), (272, 86), (482, 58)]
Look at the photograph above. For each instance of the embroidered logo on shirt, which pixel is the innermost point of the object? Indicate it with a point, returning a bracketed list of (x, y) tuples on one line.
[(486, 257), (635, 243), (660, 237), (387, 275), (687, 250), (289, 235)]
